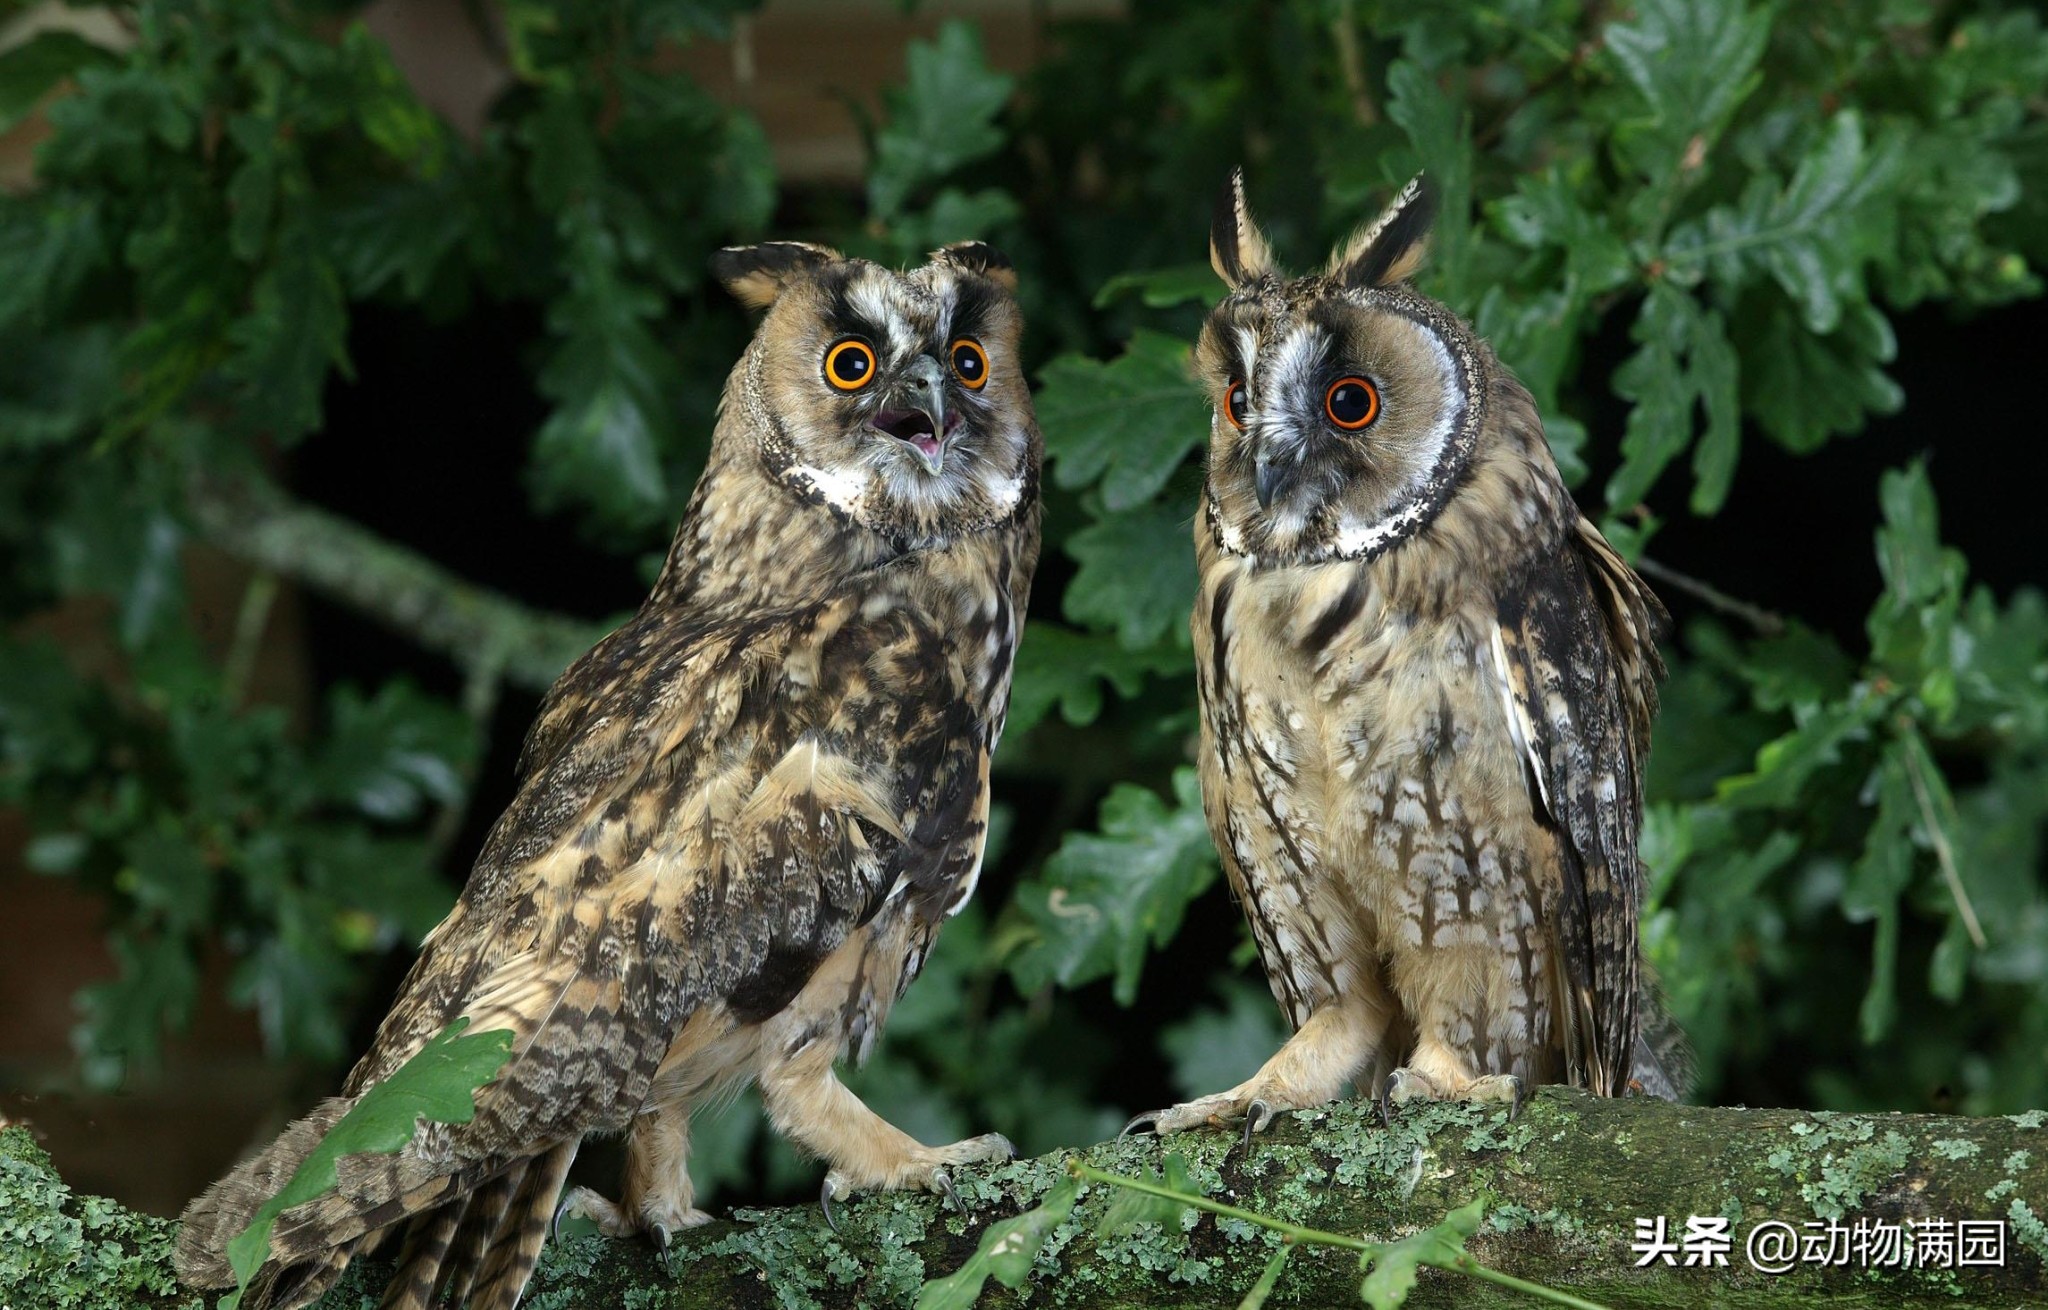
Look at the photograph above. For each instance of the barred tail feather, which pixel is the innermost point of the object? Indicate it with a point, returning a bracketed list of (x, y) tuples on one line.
[(482, 1217), (517, 1244), (377, 1195), (427, 1240), (223, 1210), (1663, 1065), (290, 1287)]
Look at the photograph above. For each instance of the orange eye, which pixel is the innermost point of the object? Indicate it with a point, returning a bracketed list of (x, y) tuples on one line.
[(1234, 405), (850, 364), (970, 363), (1352, 403)]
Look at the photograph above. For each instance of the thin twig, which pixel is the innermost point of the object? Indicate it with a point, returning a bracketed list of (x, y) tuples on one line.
[(1944, 854), (1089, 1173), (485, 679), (1463, 1264), (1764, 621), (251, 620), (1351, 63), (1467, 1265)]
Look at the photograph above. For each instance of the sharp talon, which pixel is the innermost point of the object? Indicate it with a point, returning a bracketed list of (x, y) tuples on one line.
[(825, 1204), (942, 1183), (1256, 1116), (1148, 1121), (555, 1223), (1515, 1106), (659, 1232), (1386, 1104)]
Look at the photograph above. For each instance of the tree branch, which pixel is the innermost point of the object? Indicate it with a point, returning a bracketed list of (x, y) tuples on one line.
[(1764, 621), (1565, 1184), (479, 629)]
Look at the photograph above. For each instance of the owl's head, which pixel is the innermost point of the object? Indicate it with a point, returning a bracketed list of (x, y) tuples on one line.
[(1346, 403), (894, 398)]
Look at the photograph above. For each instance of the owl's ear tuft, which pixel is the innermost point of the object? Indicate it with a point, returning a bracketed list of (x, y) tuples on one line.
[(979, 257), (1237, 249), (1391, 247), (756, 275)]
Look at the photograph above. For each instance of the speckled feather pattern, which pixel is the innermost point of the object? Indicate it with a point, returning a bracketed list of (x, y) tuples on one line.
[(742, 816)]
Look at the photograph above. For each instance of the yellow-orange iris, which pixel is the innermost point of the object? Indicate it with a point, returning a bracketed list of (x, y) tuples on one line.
[(1352, 403), (970, 363), (1233, 405), (850, 364)]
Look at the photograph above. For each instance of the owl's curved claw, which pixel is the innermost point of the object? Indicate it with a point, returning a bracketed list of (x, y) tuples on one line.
[(658, 1234), (561, 1208), (825, 1204), (1258, 1116), (1146, 1122), (1386, 1102), (1515, 1105), (942, 1183)]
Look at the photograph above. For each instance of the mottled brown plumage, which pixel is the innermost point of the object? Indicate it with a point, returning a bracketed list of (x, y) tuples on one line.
[(741, 818), (1426, 689)]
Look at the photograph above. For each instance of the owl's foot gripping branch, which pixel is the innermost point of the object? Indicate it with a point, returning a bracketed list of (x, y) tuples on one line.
[(1634, 1202)]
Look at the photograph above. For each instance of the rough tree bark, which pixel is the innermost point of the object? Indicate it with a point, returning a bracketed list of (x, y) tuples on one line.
[(1566, 1183)]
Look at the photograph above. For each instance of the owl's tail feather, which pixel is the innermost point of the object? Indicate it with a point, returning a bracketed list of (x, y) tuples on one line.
[(376, 1195), (222, 1211), (1663, 1065), (522, 1230), (473, 1227), (482, 1247)]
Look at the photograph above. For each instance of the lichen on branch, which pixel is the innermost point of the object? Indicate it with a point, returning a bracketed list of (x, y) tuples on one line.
[(1564, 1185)]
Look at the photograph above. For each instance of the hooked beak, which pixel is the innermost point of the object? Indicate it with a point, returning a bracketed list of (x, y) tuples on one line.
[(1271, 476), (915, 413)]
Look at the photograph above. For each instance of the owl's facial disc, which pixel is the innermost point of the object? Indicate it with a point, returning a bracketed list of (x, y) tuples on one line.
[(915, 414)]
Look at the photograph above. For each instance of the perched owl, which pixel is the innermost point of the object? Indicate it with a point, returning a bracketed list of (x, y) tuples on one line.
[(1426, 689), (741, 818)]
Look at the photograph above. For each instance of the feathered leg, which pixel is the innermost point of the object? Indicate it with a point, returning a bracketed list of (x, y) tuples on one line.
[(658, 1197), (808, 1104), (1337, 1044)]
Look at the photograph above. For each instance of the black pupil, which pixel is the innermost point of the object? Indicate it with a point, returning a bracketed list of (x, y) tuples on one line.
[(1350, 403), (1236, 403), (851, 364), (967, 363)]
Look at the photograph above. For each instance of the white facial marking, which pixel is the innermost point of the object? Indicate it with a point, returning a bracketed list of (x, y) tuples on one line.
[(1355, 536), (871, 300), (1247, 351), (1298, 358)]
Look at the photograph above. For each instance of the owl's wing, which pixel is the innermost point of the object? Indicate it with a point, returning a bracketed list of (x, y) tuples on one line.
[(1579, 667), (714, 810)]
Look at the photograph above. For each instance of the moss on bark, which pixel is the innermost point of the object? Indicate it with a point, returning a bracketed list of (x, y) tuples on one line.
[(1565, 1184)]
